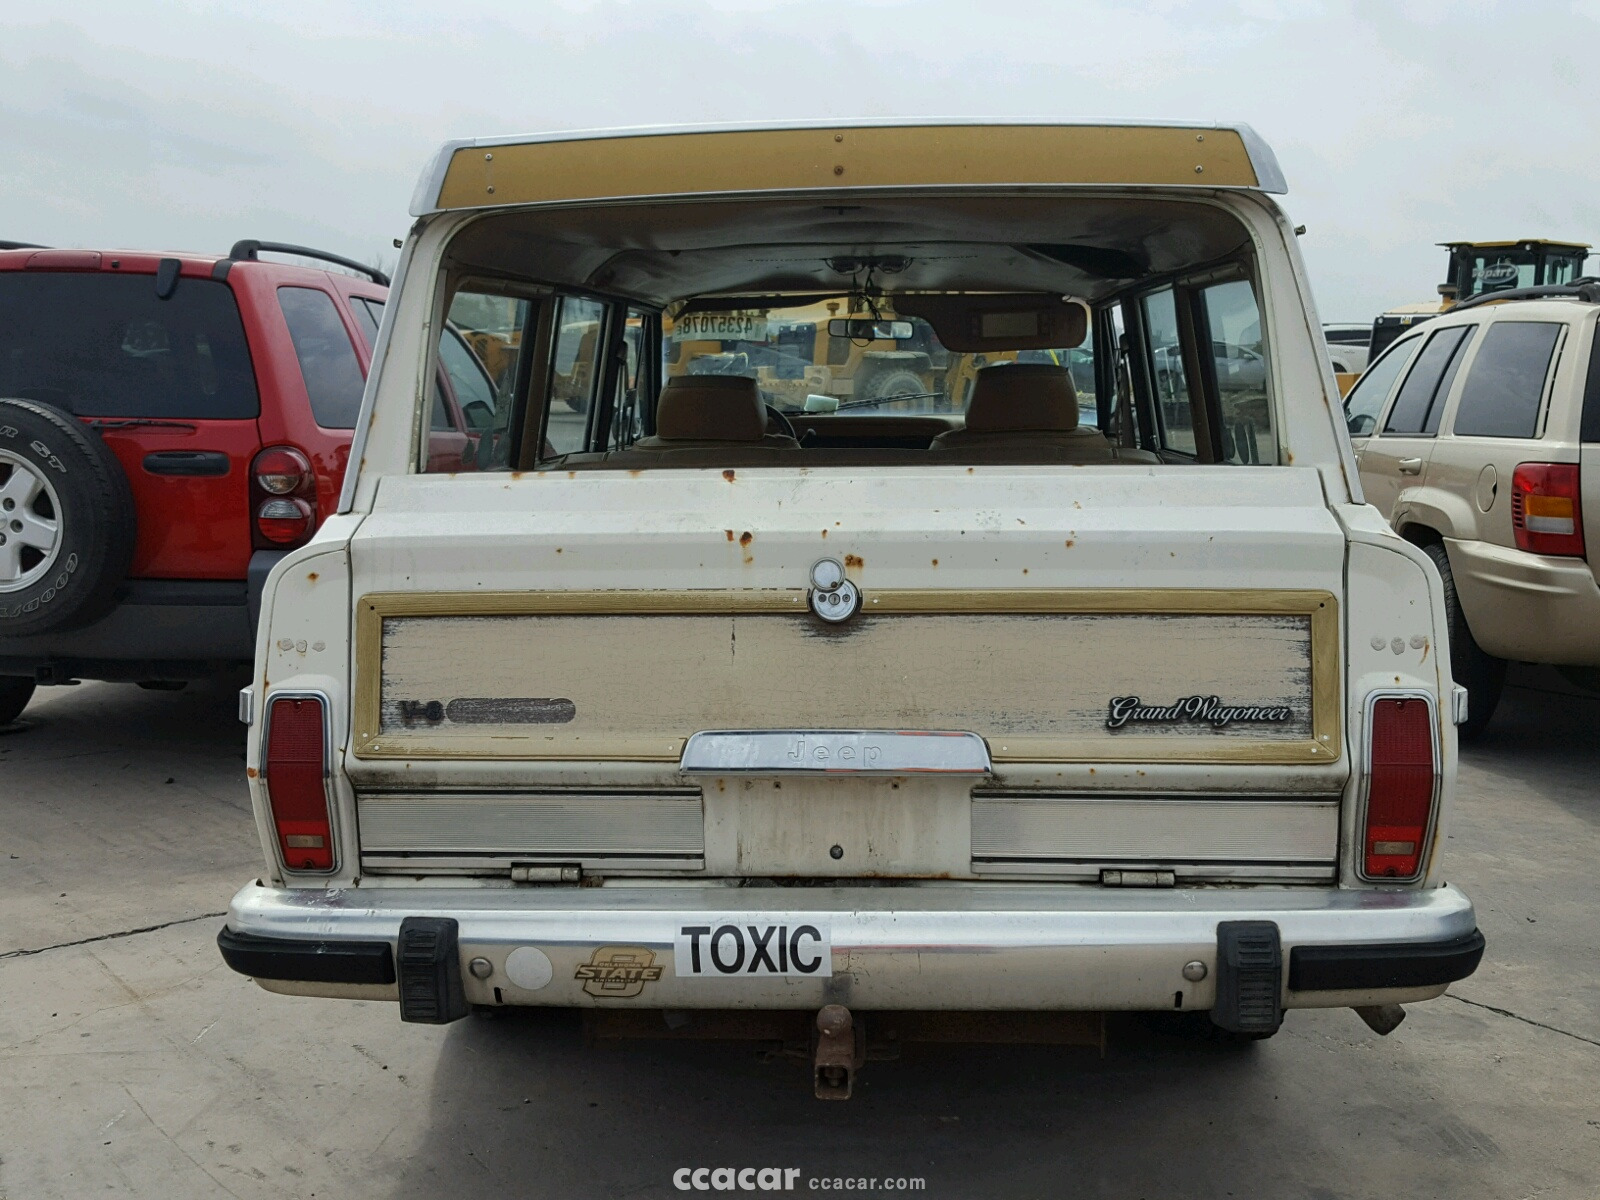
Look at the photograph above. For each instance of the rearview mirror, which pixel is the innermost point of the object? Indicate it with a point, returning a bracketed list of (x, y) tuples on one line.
[(860, 329)]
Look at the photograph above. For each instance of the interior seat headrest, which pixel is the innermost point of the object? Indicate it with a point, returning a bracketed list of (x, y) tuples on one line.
[(1022, 397), (711, 408)]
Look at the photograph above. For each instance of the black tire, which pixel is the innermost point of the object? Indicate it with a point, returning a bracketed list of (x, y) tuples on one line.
[(1481, 673), (15, 692), (96, 519), (899, 382)]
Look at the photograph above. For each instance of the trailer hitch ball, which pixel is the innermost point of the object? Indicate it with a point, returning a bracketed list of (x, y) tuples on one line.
[(838, 1054)]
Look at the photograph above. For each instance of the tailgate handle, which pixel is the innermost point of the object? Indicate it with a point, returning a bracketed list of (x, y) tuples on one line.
[(1410, 466), (187, 462)]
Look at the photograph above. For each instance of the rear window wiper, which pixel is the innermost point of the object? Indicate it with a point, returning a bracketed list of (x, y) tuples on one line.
[(848, 404), (139, 423)]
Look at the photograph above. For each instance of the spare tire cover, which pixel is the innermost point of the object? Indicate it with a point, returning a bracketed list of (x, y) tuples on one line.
[(67, 523)]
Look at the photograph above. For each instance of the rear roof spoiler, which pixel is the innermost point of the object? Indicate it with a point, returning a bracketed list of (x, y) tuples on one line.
[(832, 155)]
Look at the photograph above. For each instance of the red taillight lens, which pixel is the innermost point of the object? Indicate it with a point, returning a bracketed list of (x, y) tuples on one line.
[(284, 522), (283, 498), (295, 775), (1545, 514), (1401, 786)]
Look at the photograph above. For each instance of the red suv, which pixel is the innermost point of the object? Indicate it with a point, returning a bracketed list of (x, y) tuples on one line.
[(170, 426)]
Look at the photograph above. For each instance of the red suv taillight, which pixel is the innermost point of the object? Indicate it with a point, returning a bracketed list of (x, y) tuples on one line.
[(294, 769), (283, 497), (1545, 514), (1402, 786)]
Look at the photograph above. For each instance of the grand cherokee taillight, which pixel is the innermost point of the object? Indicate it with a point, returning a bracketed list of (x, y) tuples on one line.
[(283, 498), (294, 768), (1545, 514), (1402, 786)]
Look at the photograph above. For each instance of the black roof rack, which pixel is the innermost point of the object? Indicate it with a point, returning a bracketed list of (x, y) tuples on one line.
[(1586, 289), (249, 249), (4, 245)]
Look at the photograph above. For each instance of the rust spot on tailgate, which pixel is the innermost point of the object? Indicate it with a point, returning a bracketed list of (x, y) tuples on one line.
[(728, 475)]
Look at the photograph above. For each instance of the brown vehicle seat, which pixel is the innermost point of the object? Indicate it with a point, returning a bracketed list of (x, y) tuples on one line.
[(1028, 413), (719, 417)]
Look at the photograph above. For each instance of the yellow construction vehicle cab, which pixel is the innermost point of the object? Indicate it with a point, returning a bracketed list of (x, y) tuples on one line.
[(1479, 267)]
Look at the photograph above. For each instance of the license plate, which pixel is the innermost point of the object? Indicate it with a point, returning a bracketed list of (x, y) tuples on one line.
[(728, 947)]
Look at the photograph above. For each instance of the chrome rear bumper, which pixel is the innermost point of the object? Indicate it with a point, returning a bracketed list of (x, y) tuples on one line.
[(933, 946)]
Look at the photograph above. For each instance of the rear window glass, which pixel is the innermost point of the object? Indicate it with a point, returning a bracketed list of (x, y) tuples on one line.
[(102, 345), (1505, 386), (327, 358)]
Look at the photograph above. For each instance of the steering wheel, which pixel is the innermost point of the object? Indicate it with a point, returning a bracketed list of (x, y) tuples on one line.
[(779, 424)]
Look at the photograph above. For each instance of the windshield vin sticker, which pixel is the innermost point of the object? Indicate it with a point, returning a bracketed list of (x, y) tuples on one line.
[(736, 948), (1200, 710)]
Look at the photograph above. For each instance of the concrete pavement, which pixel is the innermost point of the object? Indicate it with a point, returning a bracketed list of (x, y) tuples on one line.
[(137, 1064)]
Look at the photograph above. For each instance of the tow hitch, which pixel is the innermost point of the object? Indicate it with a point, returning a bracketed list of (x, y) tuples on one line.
[(840, 1051)]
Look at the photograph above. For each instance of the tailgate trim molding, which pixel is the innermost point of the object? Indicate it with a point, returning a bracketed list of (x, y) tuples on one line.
[(1325, 743)]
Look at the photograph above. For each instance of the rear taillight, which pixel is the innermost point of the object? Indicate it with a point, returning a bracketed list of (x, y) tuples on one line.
[(283, 498), (294, 769), (285, 521), (1402, 786), (1545, 514)]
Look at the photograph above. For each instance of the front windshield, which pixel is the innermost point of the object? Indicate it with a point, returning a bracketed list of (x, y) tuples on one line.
[(800, 367)]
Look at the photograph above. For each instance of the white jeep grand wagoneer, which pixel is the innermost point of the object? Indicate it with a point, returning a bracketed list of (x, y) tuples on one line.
[(898, 571)]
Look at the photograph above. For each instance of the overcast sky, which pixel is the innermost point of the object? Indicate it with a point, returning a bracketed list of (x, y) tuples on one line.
[(188, 125)]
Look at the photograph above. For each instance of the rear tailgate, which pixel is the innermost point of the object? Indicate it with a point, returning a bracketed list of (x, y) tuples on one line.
[(167, 380), (191, 487), (1152, 657)]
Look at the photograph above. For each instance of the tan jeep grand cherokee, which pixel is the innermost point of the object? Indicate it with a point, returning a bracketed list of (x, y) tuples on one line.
[(1476, 436)]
